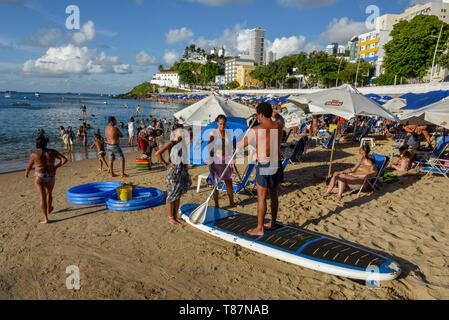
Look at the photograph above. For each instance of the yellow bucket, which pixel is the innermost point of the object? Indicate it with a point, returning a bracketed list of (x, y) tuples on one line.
[(125, 193)]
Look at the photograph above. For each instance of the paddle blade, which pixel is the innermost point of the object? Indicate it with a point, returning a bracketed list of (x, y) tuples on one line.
[(199, 215)]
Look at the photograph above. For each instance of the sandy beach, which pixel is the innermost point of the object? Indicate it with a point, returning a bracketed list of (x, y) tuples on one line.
[(138, 255)]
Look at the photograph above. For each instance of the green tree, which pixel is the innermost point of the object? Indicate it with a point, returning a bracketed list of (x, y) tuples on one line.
[(233, 85), (410, 53)]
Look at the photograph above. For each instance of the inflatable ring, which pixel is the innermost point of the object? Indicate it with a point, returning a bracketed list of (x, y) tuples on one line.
[(143, 198), (92, 193)]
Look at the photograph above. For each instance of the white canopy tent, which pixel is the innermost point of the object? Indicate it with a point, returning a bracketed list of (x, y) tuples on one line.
[(208, 109)]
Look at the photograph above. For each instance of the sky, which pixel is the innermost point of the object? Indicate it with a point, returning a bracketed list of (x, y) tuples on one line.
[(120, 43)]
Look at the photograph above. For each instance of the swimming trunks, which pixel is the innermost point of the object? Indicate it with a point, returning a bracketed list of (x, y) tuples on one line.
[(102, 153), (113, 151), (270, 175)]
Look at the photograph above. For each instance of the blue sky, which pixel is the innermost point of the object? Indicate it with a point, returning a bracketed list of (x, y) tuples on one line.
[(122, 42)]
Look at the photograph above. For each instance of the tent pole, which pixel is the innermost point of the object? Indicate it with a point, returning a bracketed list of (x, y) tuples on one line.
[(332, 154)]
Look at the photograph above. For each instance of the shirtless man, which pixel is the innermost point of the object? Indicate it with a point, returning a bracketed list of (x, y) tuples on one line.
[(113, 150), (269, 170), (45, 174), (417, 130)]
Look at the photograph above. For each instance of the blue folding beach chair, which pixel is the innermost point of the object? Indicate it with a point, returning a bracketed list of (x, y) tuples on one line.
[(243, 184), (382, 163), (442, 145), (287, 137), (299, 151), (437, 166), (327, 144)]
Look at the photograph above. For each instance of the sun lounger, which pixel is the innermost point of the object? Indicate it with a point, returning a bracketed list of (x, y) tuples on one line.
[(437, 166), (423, 157), (327, 144), (287, 137), (381, 164), (243, 184), (298, 152)]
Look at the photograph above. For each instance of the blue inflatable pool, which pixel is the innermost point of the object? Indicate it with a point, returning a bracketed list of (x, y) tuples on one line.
[(92, 193), (143, 198)]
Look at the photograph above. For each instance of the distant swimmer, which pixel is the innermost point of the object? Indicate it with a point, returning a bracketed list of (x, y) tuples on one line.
[(45, 173), (138, 109), (62, 99), (126, 106)]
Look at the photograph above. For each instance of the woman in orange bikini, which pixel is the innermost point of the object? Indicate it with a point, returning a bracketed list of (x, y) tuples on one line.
[(355, 177)]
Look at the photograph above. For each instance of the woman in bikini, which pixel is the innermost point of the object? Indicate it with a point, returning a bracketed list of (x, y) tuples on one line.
[(221, 151), (45, 173), (355, 177)]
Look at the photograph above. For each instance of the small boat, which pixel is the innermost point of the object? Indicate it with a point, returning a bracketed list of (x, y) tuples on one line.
[(37, 95), (8, 95), (20, 104), (105, 102)]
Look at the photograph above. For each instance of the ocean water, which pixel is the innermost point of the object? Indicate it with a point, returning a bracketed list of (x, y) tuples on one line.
[(19, 125)]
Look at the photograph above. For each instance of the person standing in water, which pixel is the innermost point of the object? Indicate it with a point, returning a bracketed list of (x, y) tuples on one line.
[(45, 174)]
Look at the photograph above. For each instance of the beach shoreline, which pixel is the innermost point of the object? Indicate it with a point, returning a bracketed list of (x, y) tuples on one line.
[(138, 255)]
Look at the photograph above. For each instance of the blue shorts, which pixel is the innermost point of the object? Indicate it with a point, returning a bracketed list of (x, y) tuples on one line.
[(269, 175), (113, 152)]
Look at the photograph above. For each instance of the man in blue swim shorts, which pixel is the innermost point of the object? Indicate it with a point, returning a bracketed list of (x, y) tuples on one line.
[(112, 146), (267, 138)]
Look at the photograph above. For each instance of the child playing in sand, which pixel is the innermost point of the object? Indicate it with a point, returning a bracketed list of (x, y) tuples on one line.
[(99, 144)]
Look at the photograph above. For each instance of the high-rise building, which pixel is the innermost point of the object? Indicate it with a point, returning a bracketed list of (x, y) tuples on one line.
[(370, 47), (332, 49), (257, 48), (270, 56)]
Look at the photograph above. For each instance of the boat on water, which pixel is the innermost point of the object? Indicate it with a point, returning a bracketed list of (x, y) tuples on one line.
[(8, 95), (105, 102), (20, 104), (37, 95)]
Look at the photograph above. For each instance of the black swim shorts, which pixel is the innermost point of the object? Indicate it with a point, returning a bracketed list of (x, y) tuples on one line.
[(270, 175)]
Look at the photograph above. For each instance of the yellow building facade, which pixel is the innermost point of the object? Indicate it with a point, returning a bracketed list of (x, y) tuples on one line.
[(244, 78)]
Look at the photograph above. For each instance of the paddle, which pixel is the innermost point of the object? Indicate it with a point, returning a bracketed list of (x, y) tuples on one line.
[(199, 215)]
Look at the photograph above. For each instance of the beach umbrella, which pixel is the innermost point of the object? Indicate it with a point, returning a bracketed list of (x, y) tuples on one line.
[(345, 102), (437, 113), (295, 116), (208, 109)]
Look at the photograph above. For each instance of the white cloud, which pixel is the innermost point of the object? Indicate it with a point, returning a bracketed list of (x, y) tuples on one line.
[(306, 3), (170, 57), (341, 31), (144, 59), (235, 41), (86, 33), (13, 2), (292, 45), (46, 38), (71, 59), (178, 35), (220, 2)]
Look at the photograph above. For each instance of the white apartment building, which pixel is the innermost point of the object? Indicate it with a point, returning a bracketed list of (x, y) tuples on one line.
[(270, 56), (231, 66), (370, 47), (166, 79), (439, 9), (257, 47)]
